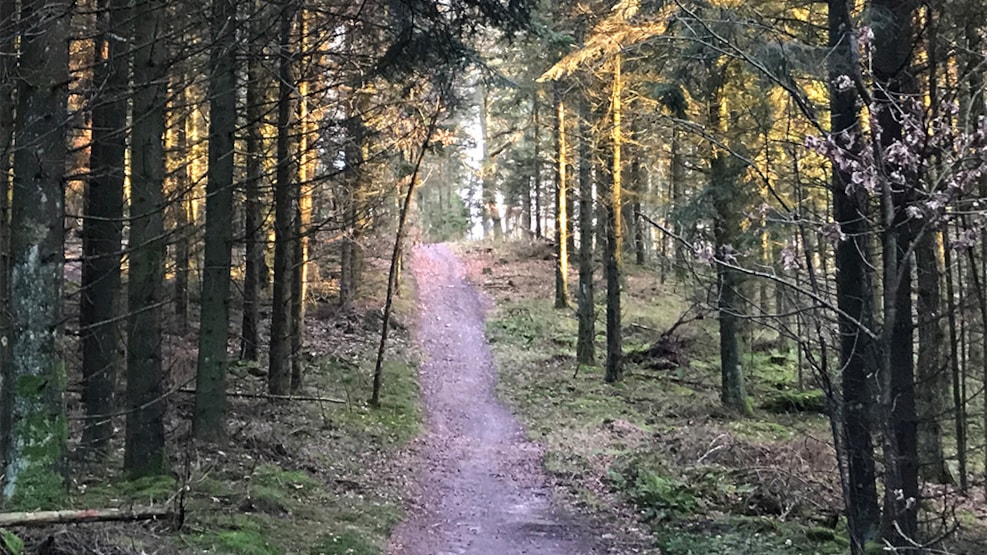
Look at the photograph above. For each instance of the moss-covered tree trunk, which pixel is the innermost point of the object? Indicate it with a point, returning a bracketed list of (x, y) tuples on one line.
[(614, 225), (144, 449), (210, 384), (279, 367), (561, 203), (725, 193), (102, 228), (35, 431), (586, 336)]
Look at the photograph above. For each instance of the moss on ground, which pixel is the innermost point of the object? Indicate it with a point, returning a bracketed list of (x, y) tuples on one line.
[(658, 444)]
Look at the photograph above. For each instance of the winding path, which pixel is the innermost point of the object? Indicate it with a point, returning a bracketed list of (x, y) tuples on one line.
[(482, 489)]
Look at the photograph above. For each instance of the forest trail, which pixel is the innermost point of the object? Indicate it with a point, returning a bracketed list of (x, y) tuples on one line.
[(481, 486)]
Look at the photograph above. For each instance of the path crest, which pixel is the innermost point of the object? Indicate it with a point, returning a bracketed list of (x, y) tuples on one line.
[(483, 490)]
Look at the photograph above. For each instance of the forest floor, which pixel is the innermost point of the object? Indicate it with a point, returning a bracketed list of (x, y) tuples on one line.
[(482, 488), (654, 462), (304, 477)]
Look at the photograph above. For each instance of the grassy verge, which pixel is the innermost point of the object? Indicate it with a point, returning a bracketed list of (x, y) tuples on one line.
[(655, 451)]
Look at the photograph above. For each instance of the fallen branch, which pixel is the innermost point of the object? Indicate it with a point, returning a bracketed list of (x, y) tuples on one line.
[(79, 516), (272, 397)]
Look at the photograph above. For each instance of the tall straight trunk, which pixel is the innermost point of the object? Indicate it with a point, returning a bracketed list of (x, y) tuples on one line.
[(636, 185), (144, 450), (894, 38), (354, 177), (723, 186), (279, 369), (561, 204), (727, 232), (975, 109), (676, 184), (253, 217), (586, 342), (854, 294), (8, 99), (491, 210), (614, 251), (526, 200), (183, 221), (35, 431), (959, 402), (302, 216), (536, 163), (102, 228), (214, 319), (932, 370)]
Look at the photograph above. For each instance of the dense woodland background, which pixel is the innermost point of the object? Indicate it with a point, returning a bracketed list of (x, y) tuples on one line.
[(182, 184)]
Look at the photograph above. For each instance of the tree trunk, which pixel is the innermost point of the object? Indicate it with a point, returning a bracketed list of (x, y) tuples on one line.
[(102, 228), (279, 370), (144, 451), (854, 295), (536, 163), (636, 179), (586, 342), (677, 183), (210, 400), (302, 218), (932, 370), (253, 217), (895, 85), (35, 432), (8, 99), (561, 205), (488, 169), (183, 224), (614, 251), (724, 172), (959, 402)]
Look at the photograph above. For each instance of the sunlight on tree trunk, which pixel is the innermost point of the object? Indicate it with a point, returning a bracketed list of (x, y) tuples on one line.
[(561, 204)]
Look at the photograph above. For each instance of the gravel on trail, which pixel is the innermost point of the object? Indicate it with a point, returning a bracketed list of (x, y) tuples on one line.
[(481, 488)]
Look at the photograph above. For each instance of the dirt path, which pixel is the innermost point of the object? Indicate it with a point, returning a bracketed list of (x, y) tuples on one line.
[(481, 483)]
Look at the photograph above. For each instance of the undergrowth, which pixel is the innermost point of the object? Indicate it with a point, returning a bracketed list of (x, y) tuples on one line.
[(657, 445)]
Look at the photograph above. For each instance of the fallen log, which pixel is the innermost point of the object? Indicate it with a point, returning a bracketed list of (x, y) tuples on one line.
[(79, 516), (272, 397)]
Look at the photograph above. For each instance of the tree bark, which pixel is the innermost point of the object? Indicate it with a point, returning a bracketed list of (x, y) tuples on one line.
[(210, 403), (35, 432), (102, 227), (144, 450), (586, 337), (561, 204), (279, 370), (253, 217), (959, 402), (854, 294), (932, 371), (614, 250), (894, 36)]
